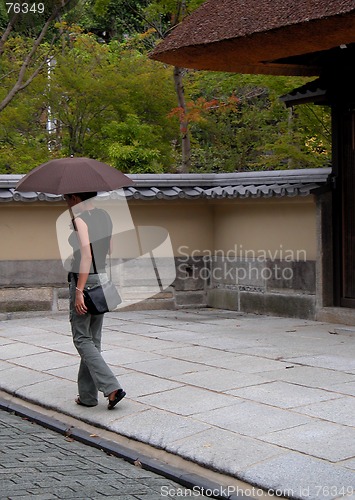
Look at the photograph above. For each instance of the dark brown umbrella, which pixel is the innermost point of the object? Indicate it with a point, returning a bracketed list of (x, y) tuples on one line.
[(73, 175), (280, 37)]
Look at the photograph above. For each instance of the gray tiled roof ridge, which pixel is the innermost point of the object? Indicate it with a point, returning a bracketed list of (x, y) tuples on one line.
[(307, 175), (264, 184), (235, 178)]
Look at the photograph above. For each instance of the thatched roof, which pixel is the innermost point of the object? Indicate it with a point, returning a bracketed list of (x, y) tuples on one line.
[(286, 37)]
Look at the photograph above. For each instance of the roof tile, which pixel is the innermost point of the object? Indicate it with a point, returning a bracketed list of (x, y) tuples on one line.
[(196, 186)]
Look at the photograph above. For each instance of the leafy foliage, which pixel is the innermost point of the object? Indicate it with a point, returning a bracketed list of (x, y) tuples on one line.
[(103, 97), (102, 101), (131, 146), (23, 137), (110, 19), (259, 133)]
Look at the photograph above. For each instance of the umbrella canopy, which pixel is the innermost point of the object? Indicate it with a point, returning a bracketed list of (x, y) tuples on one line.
[(280, 37), (73, 175)]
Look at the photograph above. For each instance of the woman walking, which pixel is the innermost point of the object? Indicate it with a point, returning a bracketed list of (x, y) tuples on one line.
[(90, 239)]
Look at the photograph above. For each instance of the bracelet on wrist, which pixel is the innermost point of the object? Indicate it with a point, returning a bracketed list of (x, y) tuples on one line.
[(78, 289)]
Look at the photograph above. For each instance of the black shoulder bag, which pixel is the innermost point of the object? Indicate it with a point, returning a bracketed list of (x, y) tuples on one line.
[(100, 299)]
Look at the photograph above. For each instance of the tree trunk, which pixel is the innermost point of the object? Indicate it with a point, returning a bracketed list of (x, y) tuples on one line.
[(30, 57), (185, 137), (290, 126)]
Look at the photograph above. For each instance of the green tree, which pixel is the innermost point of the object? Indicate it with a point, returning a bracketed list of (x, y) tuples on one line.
[(33, 26), (260, 133), (130, 146), (144, 23), (112, 19), (106, 99), (140, 24), (23, 134), (96, 90), (164, 15)]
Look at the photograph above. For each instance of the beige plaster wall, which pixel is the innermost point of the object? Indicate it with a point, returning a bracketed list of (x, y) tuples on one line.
[(28, 230), (189, 223), (279, 227)]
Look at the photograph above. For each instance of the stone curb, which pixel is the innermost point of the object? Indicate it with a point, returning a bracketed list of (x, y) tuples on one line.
[(178, 475)]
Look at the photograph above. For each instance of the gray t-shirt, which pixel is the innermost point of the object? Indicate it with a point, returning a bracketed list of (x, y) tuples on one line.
[(100, 231)]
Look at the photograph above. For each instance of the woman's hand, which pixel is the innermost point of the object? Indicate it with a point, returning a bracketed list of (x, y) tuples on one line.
[(80, 306)]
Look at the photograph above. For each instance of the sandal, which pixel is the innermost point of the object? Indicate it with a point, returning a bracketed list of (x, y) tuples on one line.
[(120, 394), (80, 403)]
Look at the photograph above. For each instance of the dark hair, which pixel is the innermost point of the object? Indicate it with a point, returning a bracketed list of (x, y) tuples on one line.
[(84, 196)]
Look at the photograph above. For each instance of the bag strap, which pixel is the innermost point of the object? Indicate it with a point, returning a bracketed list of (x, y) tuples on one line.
[(94, 264), (93, 259), (92, 253)]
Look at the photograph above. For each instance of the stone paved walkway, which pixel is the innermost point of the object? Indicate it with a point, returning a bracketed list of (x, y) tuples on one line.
[(270, 401)]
